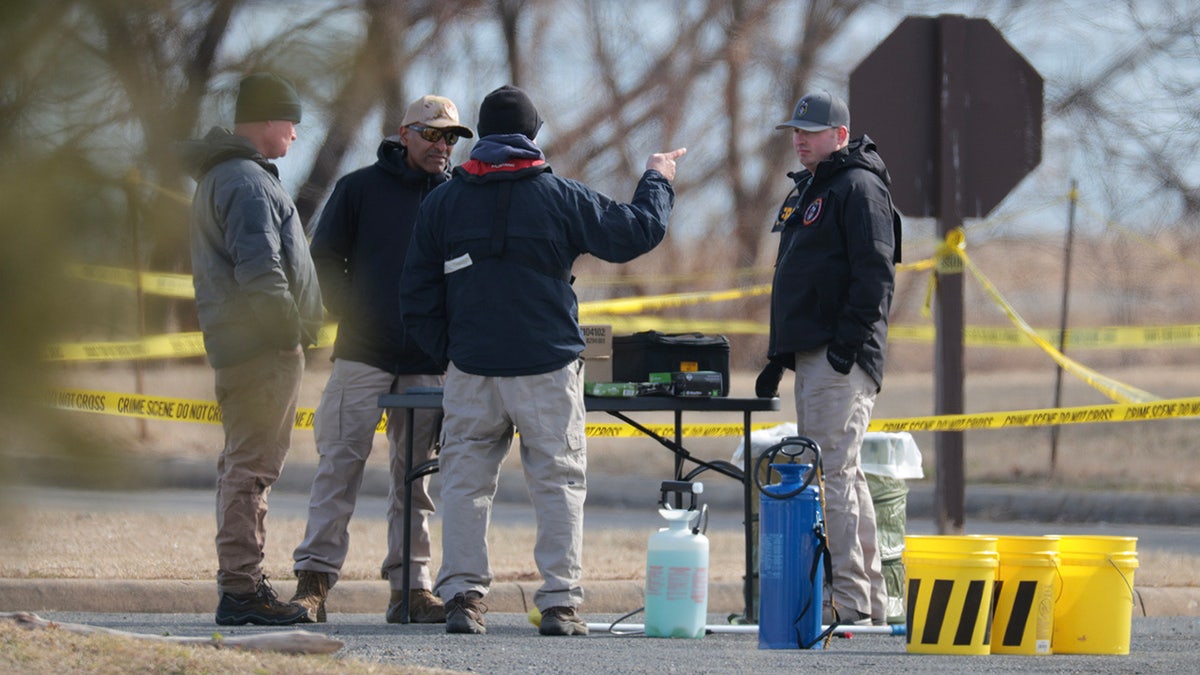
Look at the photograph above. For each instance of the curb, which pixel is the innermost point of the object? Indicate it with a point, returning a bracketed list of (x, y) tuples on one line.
[(368, 597)]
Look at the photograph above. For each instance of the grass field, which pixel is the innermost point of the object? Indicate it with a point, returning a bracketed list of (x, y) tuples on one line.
[(1115, 283)]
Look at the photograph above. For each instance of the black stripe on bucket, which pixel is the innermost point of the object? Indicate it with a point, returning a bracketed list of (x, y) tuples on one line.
[(1019, 617), (914, 587), (939, 599), (970, 613)]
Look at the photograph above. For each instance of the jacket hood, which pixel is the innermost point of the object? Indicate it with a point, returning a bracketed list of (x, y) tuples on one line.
[(392, 157), (503, 157), (859, 153), (219, 145)]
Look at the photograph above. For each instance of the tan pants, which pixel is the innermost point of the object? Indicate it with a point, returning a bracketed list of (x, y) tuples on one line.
[(834, 410), (344, 428), (481, 413), (258, 411)]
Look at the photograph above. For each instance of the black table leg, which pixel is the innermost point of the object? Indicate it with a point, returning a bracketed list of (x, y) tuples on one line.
[(406, 584), (747, 521)]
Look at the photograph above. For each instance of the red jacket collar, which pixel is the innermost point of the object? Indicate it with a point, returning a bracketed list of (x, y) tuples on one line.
[(478, 168)]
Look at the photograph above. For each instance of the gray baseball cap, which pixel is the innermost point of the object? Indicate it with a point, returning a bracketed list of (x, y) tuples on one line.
[(818, 111)]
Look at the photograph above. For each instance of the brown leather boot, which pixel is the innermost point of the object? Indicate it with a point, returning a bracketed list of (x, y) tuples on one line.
[(423, 607), (311, 590)]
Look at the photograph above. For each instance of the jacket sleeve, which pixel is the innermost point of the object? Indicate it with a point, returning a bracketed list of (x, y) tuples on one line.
[(423, 291), (870, 247), (253, 237), (618, 232), (332, 246)]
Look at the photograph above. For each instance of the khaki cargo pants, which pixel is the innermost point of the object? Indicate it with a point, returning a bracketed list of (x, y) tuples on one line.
[(834, 410), (258, 411)]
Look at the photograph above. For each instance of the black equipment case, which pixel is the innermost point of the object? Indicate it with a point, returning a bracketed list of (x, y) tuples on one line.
[(636, 356)]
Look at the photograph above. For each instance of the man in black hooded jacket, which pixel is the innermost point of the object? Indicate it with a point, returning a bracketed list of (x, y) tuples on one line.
[(359, 248), (834, 276)]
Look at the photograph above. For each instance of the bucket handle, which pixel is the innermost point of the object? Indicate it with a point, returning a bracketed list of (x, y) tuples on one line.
[(1132, 597), (1061, 583)]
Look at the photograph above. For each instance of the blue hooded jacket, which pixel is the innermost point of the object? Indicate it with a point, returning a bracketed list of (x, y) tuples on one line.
[(503, 305)]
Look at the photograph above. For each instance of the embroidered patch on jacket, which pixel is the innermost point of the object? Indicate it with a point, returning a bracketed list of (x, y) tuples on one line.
[(813, 212)]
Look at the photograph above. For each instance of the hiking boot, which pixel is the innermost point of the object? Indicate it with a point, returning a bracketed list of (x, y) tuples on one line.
[(562, 621), (464, 613), (311, 590), (262, 607), (423, 607), (844, 617)]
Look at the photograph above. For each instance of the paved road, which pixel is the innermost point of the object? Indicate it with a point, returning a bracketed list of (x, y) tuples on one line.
[(1158, 645)]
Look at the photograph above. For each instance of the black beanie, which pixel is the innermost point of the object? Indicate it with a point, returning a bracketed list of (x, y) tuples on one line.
[(508, 110), (263, 97)]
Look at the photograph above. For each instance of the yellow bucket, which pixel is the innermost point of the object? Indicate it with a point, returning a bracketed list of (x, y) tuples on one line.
[(1094, 612), (950, 583), (1024, 599)]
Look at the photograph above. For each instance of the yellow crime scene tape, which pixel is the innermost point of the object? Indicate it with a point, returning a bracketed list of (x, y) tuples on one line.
[(154, 283), (657, 302), (208, 412), (173, 345), (625, 315), (183, 345), (955, 248)]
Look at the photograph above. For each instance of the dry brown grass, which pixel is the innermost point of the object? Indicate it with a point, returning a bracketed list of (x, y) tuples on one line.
[(64, 543)]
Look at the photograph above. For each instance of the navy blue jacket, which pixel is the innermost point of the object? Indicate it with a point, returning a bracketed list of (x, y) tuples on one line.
[(360, 244), (515, 313), (835, 271)]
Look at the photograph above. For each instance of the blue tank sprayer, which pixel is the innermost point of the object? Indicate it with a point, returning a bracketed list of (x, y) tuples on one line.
[(677, 566), (792, 553)]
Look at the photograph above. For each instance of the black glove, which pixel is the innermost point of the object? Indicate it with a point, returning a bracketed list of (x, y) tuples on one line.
[(767, 384), (841, 357)]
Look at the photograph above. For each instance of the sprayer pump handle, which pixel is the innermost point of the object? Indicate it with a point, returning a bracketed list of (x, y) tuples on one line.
[(680, 488)]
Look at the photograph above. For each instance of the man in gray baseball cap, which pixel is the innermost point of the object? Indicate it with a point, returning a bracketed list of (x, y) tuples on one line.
[(818, 111), (839, 238)]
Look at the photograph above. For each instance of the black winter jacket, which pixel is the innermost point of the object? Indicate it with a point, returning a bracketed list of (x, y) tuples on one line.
[(835, 271), (516, 313), (359, 248)]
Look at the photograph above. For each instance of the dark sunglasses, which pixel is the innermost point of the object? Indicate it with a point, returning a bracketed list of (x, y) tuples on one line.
[(433, 135)]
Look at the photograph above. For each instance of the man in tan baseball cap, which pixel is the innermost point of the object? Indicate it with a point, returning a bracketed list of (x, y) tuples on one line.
[(434, 120), (359, 247)]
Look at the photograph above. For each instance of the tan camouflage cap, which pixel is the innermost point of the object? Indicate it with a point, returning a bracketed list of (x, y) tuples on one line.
[(438, 112)]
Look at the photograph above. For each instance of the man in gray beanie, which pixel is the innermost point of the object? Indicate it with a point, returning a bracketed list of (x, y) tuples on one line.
[(259, 307), (486, 290)]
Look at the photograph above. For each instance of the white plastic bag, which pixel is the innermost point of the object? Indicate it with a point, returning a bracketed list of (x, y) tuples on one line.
[(762, 439)]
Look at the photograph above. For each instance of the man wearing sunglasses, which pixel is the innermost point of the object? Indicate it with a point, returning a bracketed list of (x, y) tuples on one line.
[(359, 249)]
